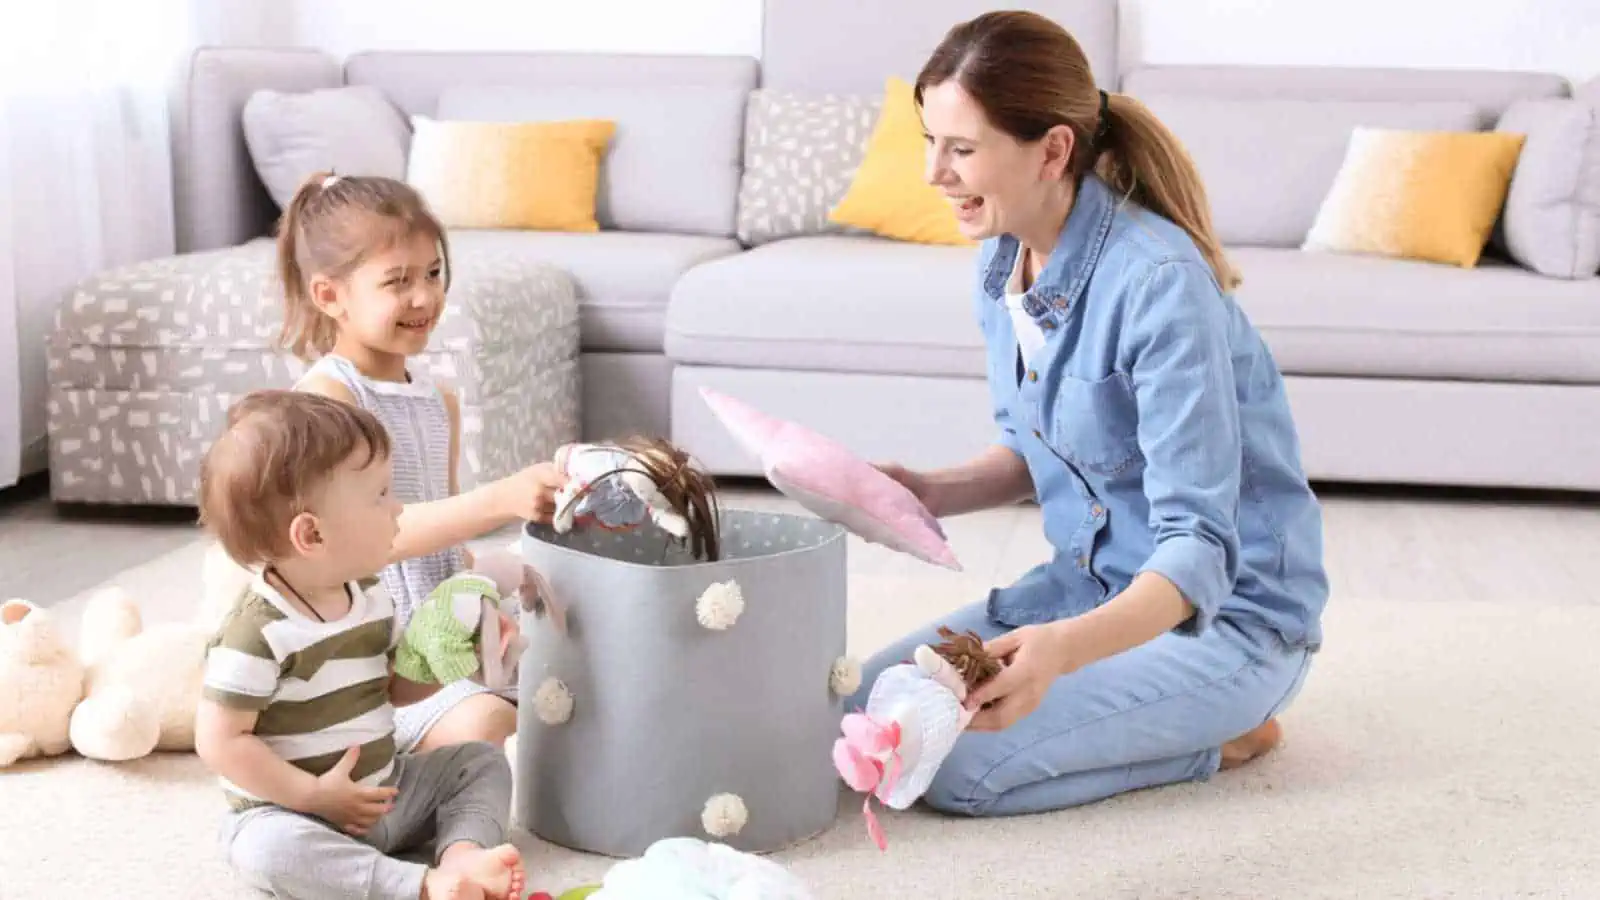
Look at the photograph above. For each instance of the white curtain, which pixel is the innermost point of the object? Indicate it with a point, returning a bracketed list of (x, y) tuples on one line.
[(85, 174)]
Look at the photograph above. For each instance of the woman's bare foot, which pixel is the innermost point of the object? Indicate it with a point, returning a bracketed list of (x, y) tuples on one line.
[(498, 870), (1251, 744), (440, 885)]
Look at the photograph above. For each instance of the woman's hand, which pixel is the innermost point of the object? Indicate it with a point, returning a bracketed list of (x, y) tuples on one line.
[(1035, 656), (920, 485)]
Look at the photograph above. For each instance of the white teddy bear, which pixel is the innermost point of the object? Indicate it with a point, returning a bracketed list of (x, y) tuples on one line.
[(40, 684), (141, 685), (127, 692)]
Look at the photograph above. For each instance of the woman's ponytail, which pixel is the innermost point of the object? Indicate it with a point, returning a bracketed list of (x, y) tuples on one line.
[(1029, 76), (1143, 160)]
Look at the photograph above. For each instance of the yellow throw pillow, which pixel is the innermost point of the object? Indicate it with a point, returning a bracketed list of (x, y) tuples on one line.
[(889, 195), (541, 176), (1430, 196)]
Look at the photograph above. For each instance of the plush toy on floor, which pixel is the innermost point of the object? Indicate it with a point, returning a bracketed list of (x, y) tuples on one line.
[(467, 627), (914, 714), (128, 691), (43, 682), (692, 869)]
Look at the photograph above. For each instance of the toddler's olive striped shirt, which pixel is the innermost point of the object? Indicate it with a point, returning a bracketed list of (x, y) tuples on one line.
[(319, 687)]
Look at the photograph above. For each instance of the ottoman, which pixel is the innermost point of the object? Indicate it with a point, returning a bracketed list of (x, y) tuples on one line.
[(685, 698), (145, 360)]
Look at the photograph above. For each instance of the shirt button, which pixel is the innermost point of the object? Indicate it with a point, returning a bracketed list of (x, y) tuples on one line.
[(1033, 375), (1097, 510), (1083, 561), (1037, 434)]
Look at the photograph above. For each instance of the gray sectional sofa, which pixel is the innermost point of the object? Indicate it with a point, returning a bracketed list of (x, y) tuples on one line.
[(716, 266)]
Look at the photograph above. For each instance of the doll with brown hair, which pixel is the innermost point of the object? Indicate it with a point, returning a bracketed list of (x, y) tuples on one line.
[(966, 655), (622, 484)]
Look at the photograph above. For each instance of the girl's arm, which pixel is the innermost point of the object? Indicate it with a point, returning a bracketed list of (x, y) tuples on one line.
[(440, 524)]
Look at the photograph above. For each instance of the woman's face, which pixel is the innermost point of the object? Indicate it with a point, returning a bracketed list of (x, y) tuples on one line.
[(997, 184)]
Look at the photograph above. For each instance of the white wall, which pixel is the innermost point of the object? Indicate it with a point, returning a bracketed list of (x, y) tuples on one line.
[(1560, 36), (1546, 35), (620, 26)]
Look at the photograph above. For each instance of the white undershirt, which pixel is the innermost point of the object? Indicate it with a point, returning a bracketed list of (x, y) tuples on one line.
[(1030, 337)]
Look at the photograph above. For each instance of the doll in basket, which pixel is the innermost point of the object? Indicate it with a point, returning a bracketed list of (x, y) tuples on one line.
[(620, 486), (914, 714)]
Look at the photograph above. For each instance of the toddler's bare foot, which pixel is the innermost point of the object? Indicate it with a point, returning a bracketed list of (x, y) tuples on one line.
[(497, 870), (1251, 744), (441, 885)]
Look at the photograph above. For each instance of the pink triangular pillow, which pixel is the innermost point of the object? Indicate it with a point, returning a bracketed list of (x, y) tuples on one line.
[(835, 484)]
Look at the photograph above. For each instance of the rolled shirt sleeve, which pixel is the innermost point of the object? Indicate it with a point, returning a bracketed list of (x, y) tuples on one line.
[(1182, 370)]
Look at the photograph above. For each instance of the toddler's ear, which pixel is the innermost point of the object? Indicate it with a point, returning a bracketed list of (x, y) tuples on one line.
[(305, 534)]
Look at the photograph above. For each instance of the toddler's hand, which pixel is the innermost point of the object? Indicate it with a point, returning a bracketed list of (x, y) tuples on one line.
[(531, 493), (350, 806)]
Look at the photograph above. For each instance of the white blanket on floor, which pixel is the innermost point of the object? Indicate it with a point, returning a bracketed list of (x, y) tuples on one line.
[(691, 869)]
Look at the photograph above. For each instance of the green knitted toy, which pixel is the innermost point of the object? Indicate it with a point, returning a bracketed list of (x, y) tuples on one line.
[(445, 640)]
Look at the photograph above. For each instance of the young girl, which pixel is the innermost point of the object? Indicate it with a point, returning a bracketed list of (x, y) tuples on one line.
[(365, 267)]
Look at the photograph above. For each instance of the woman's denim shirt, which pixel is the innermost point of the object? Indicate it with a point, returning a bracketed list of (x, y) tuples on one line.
[(1156, 428)]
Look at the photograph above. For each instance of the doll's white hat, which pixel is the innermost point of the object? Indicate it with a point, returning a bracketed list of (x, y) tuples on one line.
[(893, 749)]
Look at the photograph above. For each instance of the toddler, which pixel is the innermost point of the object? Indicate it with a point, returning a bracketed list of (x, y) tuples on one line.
[(365, 266), (298, 708)]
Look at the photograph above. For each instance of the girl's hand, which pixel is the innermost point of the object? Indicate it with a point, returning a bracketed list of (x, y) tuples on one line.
[(1035, 656), (530, 494)]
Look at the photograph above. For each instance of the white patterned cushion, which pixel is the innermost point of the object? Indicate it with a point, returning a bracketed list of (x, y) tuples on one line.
[(800, 152)]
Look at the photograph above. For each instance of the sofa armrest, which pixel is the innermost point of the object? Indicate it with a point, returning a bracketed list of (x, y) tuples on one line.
[(220, 200)]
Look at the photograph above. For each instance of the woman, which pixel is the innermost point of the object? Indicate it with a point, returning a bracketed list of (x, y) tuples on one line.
[(1136, 402)]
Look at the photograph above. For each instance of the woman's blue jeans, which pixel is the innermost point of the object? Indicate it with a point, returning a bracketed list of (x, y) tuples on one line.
[(1157, 714)]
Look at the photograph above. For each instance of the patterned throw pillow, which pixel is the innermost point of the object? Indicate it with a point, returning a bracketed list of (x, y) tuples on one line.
[(800, 153)]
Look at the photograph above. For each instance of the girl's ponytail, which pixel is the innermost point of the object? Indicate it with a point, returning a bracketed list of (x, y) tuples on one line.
[(1146, 162), (306, 331)]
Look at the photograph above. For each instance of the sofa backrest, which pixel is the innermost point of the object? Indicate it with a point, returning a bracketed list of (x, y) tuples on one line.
[(852, 46), (1269, 140), (673, 164), (219, 199)]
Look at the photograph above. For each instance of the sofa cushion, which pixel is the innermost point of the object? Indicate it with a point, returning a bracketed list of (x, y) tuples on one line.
[(800, 153), (1268, 163), (1327, 314), (673, 163), (841, 303), (1551, 220), (1431, 196), (351, 130), (623, 279)]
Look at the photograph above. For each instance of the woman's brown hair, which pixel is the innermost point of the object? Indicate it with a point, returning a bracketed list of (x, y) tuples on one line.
[(333, 223), (1029, 75)]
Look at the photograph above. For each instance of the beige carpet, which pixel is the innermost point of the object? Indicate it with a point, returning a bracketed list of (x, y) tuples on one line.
[(1440, 749)]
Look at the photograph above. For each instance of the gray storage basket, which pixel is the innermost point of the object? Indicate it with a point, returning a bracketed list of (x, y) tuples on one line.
[(667, 713)]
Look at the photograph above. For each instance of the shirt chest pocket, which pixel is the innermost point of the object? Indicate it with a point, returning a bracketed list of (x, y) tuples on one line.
[(1094, 424)]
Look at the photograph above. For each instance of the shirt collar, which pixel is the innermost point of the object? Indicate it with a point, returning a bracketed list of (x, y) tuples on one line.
[(1076, 252)]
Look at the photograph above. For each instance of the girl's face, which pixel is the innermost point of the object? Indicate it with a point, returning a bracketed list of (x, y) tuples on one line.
[(392, 301), (997, 184)]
